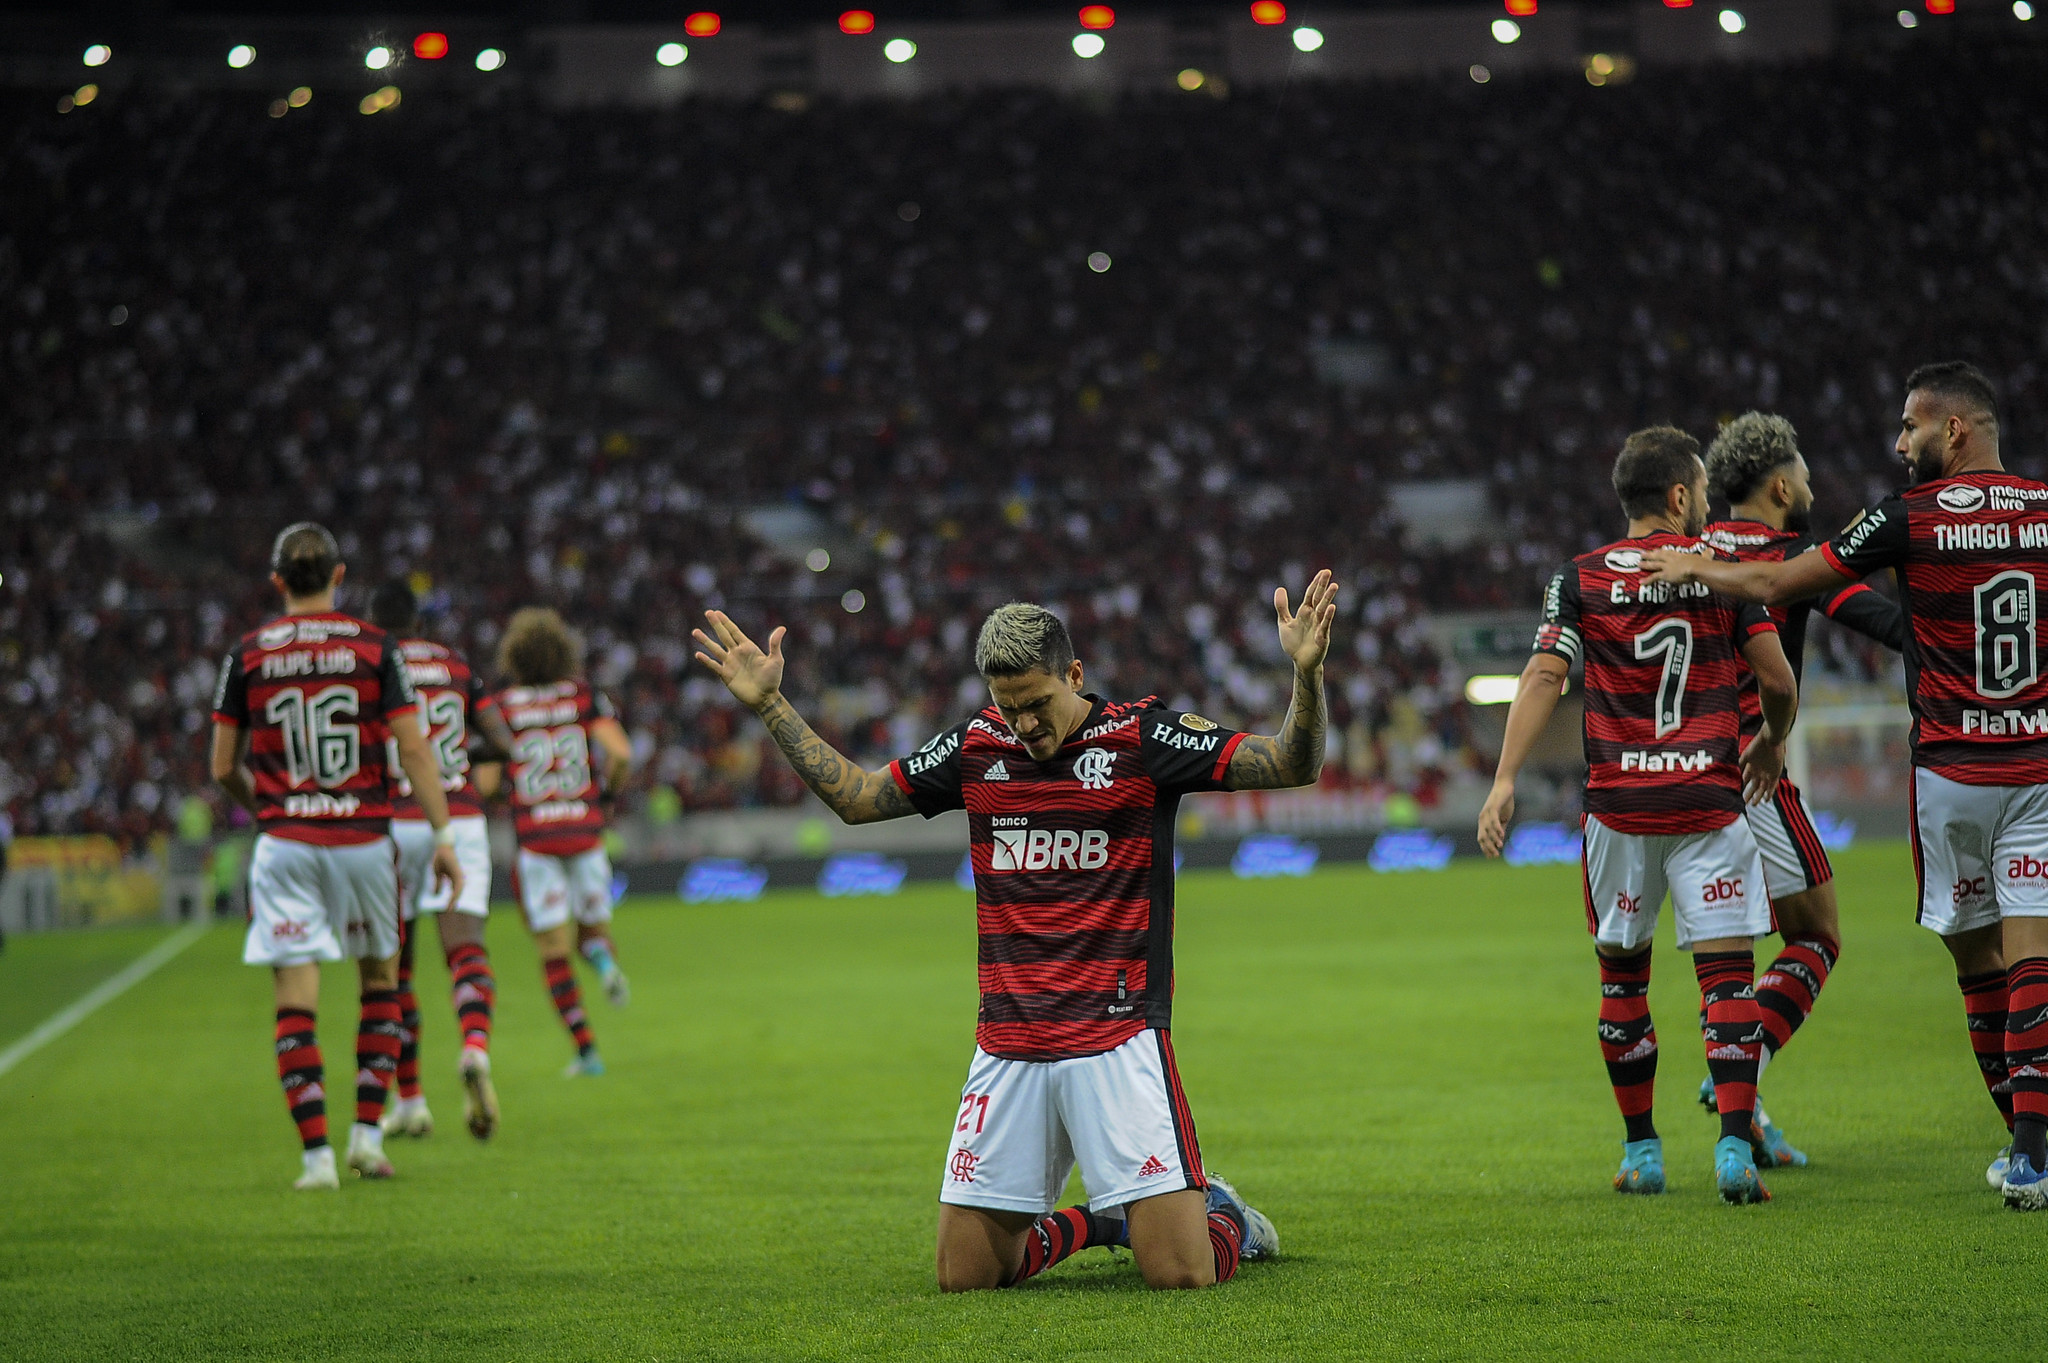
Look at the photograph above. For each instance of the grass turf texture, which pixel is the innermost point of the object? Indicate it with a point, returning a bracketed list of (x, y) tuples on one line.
[(1400, 1069)]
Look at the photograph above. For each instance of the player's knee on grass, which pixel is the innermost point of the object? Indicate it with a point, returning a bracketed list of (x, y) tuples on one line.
[(978, 1250), (1170, 1240)]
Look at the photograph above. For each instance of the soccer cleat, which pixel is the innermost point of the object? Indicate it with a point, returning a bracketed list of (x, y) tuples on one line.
[(616, 989), (1735, 1172), (1995, 1175), (408, 1117), (1261, 1241), (1770, 1148), (320, 1171), (586, 1064), (1642, 1167), (1707, 1096), (2026, 1188), (366, 1153), (480, 1099)]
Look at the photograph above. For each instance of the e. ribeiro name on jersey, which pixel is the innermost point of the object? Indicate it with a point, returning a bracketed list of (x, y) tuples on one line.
[(1972, 557), (1073, 868), (554, 784), (451, 696), (1662, 663), (315, 694)]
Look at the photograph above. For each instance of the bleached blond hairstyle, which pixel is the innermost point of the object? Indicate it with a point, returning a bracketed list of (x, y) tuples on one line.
[(1020, 637), (1748, 450)]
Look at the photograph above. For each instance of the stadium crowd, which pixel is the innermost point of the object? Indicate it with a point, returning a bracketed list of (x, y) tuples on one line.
[(1142, 360)]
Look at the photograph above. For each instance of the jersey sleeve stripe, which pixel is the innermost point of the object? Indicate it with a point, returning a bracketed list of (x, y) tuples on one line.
[(1223, 758), (1761, 627), (1827, 551), (902, 782), (1840, 598)]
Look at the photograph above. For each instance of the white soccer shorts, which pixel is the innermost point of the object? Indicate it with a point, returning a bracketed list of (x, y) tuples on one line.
[(1794, 860), (1980, 852), (1023, 1124), (417, 893), (552, 890), (1716, 880), (312, 903)]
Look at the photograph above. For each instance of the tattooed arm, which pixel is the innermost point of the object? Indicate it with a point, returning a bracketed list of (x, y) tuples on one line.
[(1294, 757), (755, 679)]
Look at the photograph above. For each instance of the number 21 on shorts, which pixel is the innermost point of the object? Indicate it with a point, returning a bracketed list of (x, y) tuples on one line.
[(973, 1108)]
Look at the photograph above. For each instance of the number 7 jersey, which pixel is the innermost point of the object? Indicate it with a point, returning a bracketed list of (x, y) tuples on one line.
[(1663, 668), (553, 780)]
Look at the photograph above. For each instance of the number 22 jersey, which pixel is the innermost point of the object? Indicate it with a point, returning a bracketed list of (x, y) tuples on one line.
[(554, 783), (1663, 666)]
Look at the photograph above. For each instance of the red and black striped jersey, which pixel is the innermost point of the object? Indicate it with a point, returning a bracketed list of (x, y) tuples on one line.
[(554, 781), (1663, 660), (1972, 558), (451, 697), (1073, 868), (315, 693), (1869, 613)]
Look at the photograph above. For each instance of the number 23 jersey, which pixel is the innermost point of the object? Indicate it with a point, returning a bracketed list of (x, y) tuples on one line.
[(1662, 670), (1972, 558), (554, 782)]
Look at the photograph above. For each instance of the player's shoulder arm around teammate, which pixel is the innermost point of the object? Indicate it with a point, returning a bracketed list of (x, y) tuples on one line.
[(1557, 646), (1878, 538), (1294, 756)]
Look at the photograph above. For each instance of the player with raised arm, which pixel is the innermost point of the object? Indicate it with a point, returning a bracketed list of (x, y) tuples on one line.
[(1071, 802), (1969, 545), (454, 705), (562, 878), (1666, 775), (300, 720), (1755, 464)]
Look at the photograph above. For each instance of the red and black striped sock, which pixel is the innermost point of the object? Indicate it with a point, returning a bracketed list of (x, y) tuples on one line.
[(1628, 1039), (1056, 1237), (474, 991), (2026, 1056), (378, 1037), (300, 1071), (1786, 992), (1226, 1240), (1733, 1032), (1984, 1004), (569, 1002), (409, 1019)]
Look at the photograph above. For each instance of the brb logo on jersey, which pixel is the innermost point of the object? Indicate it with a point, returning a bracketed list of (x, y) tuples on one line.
[(1092, 769), (1015, 847), (1721, 889)]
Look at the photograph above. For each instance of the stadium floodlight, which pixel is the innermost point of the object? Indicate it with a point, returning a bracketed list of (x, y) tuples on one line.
[(2022, 11), (1491, 690), (1097, 16), (854, 602), (1098, 261), (1908, 19), (857, 22), (1506, 30), (99, 54), (1732, 21), (899, 50), (1941, 6), (1307, 39), (490, 59), (1480, 75), (240, 55), (300, 98), (84, 95), (671, 54), (818, 560), (430, 46), (1677, 4), (1269, 12), (1521, 9), (1190, 80), (703, 24), (1087, 45), (377, 58)]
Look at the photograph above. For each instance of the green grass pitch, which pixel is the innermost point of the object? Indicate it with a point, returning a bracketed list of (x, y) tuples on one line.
[(1400, 1069)]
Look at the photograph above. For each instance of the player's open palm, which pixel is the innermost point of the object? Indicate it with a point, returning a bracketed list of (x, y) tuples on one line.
[(1306, 634), (750, 674)]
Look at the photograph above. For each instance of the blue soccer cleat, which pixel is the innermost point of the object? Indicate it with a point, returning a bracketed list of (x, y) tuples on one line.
[(1261, 1241), (1642, 1167), (584, 1066), (1735, 1172), (1777, 1152), (1707, 1095), (2026, 1188), (1995, 1175)]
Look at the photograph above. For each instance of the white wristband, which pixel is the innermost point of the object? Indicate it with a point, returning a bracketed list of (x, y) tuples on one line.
[(444, 836)]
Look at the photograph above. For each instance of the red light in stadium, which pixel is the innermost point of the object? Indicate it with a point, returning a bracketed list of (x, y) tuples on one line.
[(856, 21), (702, 24), (1097, 16), (1269, 12), (1677, 4), (1941, 6), (1521, 9), (430, 47)]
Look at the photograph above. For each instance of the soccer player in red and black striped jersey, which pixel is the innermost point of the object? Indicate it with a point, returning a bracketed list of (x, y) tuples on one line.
[(560, 726), (1070, 802), (1968, 543), (453, 705), (1755, 464), (300, 721), (1666, 776)]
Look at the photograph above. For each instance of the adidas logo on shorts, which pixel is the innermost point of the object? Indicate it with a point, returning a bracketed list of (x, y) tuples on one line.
[(1152, 1168), (996, 772)]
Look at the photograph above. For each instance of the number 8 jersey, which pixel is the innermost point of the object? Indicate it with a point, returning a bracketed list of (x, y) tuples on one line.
[(1663, 669), (314, 693), (1972, 559), (554, 783)]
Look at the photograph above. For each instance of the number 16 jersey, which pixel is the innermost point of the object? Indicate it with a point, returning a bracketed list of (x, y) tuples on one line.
[(554, 783), (1663, 669)]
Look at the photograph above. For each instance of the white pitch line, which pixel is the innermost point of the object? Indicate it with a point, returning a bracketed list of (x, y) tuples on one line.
[(105, 992)]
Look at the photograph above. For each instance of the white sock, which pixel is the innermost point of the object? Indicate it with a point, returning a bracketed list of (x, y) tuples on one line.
[(364, 1134), (1763, 1063)]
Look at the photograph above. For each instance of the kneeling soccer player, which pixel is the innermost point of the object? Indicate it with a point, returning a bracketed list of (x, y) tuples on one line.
[(1666, 775), (1070, 802)]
